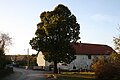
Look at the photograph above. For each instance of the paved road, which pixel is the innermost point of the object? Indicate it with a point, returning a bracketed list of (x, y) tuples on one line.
[(23, 74)]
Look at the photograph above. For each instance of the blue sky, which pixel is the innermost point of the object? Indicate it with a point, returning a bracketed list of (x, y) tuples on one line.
[(98, 20)]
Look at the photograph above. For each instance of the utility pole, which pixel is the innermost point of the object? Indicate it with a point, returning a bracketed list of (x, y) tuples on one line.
[(28, 57)]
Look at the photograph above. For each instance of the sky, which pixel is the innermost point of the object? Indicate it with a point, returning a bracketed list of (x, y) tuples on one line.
[(99, 20)]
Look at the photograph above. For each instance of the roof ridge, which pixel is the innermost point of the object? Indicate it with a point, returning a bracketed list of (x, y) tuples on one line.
[(89, 48), (94, 44)]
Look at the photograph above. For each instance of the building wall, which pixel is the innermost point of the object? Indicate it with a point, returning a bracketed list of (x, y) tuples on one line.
[(81, 62), (42, 63), (40, 60)]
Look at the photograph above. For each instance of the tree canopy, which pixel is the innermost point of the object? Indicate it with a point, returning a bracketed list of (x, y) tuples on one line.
[(55, 34)]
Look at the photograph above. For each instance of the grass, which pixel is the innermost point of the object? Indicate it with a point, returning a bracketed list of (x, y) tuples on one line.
[(75, 76), (79, 74)]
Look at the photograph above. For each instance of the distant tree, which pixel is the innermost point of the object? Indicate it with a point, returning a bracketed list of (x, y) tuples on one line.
[(2, 58), (54, 35), (23, 61), (5, 41), (109, 69), (33, 60), (117, 42)]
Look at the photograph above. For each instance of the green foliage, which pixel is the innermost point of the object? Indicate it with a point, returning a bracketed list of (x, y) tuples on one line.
[(108, 69), (55, 33)]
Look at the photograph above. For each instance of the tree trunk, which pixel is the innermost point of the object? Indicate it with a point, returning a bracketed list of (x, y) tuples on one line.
[(55, 67)]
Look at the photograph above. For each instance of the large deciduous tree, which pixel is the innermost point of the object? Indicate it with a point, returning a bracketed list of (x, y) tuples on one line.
[(55, 34)]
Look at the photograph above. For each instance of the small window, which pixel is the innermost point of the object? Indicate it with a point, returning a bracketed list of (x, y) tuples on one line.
[(89, 56)]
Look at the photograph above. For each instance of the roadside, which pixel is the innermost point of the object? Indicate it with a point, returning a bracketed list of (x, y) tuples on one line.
[(73, 76), (26, 74), (10, 76), (5, 72)]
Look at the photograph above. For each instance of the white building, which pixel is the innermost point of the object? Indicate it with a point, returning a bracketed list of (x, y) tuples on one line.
[(85, 53), (42, 63)]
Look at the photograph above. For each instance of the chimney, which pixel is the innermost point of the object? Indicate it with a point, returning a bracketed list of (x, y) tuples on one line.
[(80, 44), (80, 41)]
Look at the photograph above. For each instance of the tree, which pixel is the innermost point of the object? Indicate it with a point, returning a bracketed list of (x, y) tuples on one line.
[(117, 42), (5, 41), (109, 69), (55, 34)]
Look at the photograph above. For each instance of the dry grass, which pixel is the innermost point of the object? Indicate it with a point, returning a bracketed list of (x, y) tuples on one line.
[(75, 75), (79, 74)]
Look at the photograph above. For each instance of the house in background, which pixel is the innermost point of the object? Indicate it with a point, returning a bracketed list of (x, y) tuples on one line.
[(15, 59), (42, 63), (22, 60), (85, 53)]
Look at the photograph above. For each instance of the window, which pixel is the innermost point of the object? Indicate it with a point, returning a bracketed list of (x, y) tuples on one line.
[(89, 56), (64, 64)]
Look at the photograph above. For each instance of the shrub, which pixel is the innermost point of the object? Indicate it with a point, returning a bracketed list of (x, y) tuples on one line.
[(108, 69)]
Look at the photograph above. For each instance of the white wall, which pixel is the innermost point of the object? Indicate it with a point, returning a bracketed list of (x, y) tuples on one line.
[(81, 62), (40, 59)]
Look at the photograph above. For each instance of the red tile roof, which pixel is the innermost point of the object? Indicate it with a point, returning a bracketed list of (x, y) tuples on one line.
[(92, 49)]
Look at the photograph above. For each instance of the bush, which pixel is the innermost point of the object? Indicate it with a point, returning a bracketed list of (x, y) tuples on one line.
[(6, 72), (3, 62), (108, 69)]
